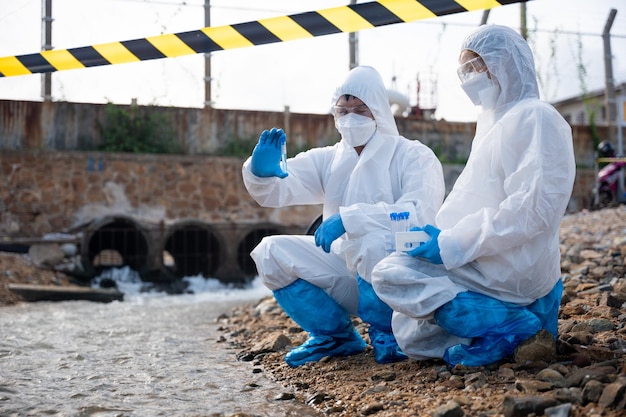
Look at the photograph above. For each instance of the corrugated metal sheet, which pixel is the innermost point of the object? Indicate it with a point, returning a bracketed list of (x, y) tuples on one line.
[(63, 126)]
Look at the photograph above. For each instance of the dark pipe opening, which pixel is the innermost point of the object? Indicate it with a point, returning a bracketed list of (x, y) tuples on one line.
[(249, 242), (115, 244), (193, 250)]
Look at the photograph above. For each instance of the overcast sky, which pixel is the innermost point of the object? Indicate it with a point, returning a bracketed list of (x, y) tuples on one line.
[(301, 74)]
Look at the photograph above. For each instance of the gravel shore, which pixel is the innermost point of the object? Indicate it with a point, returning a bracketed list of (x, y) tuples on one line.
[(584, 376)]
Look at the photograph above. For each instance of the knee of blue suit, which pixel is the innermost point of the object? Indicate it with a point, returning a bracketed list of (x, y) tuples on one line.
[(547, 308), (312, 308), (372, 309), (495, 327), (472, 314)]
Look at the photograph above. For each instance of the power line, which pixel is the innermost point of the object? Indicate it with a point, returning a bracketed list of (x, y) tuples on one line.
[(265, 10), (184, 3), (15, 10), (536, 30)]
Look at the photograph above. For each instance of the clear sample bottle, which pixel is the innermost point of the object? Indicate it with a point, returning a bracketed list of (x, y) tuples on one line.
[(390, 238), (283, 154)]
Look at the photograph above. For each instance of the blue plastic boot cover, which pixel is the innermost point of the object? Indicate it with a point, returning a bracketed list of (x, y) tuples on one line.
[(483, 350), (331, 332), (496, 327), (547, 308), (386, 349), (374, 311)]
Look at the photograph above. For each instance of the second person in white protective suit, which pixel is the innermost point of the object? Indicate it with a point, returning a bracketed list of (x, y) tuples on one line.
[(489, 277), (321, 280)]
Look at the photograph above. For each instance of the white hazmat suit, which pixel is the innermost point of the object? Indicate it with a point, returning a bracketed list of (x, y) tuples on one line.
[(392, 174), (500, 223)]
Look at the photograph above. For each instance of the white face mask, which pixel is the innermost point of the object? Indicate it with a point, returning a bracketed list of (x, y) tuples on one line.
[(356, 130), (482, 90)]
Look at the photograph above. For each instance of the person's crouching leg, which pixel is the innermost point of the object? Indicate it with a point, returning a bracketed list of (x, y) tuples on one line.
[(331, 332), (496, 328), (377, 314)]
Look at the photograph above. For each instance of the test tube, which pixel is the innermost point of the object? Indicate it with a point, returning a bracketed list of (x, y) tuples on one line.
[(394, 223), (283, 154), (405, 221), (390, 244)]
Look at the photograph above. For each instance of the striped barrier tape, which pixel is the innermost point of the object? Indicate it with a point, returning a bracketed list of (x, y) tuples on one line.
[(345, 19), (610, 160)]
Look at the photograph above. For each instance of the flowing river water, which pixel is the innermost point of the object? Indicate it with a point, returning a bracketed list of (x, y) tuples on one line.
[(149, 355)]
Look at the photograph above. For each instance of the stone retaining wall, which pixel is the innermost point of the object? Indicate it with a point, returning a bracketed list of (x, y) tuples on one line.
[(53, 192), (163, 209), (142, 199)]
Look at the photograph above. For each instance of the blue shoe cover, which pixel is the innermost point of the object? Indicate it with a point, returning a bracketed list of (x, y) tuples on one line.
[(377, 314), (386, 349), (372, 309), (312, 308), (471, 314), (319, 346), (547, 308), (331, 332), (496, 328), (484, 350)]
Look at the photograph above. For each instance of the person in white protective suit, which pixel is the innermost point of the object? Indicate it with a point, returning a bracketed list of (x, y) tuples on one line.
[(489, 276), (321, 280)]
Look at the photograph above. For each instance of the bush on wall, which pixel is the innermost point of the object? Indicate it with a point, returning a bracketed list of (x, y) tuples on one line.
[(129, 130)]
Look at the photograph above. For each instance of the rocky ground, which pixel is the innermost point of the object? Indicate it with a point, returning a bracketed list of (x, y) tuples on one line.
[(585, 376), (20, 269)]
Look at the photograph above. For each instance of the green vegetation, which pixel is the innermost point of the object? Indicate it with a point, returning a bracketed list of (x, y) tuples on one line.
[(445, 159), (591, 105), (239, 147), (135, 131), (242, 148), (547, 70)]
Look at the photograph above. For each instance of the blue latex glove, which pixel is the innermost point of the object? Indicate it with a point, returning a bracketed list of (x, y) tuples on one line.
[(329, 231), (266, 154), (428, 250)]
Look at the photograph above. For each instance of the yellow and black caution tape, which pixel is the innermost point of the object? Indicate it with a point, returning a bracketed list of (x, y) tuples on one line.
[(345, 19), (610, 160)]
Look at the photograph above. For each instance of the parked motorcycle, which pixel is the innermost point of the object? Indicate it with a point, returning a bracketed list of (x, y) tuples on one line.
[(606, 189)]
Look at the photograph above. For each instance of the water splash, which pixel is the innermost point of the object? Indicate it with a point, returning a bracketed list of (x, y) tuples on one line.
[(130, 283)]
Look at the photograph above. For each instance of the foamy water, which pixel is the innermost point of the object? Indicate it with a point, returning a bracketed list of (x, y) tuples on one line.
[(150, 355)]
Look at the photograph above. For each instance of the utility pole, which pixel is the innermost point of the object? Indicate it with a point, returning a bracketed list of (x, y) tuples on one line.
[(353, 42), (609, 95), (207, 59), (46, 45), (522, 18), (483, 20), (609, 99)]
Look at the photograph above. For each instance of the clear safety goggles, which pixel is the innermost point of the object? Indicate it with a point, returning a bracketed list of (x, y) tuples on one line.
[(361, 109), (471, 68)]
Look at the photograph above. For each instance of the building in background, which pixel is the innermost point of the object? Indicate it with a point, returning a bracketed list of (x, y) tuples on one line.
[(578, 110)]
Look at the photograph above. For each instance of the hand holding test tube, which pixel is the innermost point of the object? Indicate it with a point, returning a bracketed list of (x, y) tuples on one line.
[(283, 154), (402, 239)]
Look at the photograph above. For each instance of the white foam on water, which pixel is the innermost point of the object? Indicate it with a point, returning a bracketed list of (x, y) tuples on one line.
[(198, 288)]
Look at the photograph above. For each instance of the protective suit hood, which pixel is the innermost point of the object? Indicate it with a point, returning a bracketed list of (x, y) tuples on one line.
[(365, 83), (509, 59)]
